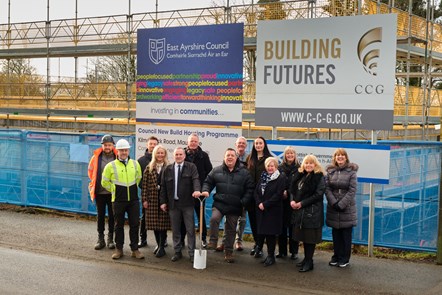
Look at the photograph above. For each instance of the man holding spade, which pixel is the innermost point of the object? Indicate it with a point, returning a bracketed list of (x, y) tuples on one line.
[(234, 189)]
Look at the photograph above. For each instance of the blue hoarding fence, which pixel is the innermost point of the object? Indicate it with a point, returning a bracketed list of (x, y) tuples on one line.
[(49, 170)]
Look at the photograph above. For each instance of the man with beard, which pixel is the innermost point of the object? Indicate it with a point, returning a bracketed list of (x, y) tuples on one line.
[(103, 155)]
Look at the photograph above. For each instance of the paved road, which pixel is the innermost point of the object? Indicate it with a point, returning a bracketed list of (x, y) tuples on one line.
[(31, 273), (43, 254)]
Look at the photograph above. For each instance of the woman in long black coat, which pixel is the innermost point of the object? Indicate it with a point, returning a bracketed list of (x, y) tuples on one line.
[(255, 164), (289, 166), (307, 195), (268, 198)]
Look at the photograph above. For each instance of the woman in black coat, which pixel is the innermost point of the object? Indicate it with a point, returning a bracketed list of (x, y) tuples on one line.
[(289, 166), (268, 198), (307, 194), (255, 164)]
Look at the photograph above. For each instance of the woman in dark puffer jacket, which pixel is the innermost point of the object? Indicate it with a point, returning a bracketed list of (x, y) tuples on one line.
[(341, 185)]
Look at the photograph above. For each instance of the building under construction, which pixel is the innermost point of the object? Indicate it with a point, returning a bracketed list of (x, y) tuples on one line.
[(85, 104)]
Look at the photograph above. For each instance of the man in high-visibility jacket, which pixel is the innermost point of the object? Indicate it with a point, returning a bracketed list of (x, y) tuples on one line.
[(121, 178), (102, 198)]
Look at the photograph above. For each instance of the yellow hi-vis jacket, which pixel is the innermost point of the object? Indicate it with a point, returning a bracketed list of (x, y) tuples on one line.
[(122, 180)]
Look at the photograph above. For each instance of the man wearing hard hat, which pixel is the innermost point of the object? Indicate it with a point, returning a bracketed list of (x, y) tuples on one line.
[(121, 178), (102, 198)]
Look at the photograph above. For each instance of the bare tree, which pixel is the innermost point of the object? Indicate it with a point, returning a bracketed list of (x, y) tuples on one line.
[(113, 68), (19, 78)]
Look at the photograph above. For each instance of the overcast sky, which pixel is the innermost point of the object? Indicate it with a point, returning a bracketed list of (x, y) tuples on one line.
[(36, 10)]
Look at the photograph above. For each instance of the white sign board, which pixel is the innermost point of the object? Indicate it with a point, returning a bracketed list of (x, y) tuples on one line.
[(335, 72), (213, 141), (373, 160)]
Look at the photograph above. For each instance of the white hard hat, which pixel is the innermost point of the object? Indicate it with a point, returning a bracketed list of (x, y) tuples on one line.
[(122, 144)]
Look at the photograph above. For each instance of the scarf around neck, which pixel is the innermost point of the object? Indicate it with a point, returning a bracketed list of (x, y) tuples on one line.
[(266, 178)]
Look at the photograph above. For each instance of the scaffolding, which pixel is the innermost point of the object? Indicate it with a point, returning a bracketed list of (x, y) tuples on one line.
[(74, 99)]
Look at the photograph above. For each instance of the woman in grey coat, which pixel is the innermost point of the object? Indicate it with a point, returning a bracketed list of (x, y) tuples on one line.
[(341, 184)]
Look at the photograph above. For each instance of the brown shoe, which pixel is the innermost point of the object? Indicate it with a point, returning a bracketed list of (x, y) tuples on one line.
[(211, 246), (117, 254), (228, 257), (220, 248), (238, 246), (137, 254)]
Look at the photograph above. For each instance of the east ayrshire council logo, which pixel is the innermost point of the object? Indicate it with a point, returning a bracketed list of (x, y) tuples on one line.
[(157, 50), (369, 50)]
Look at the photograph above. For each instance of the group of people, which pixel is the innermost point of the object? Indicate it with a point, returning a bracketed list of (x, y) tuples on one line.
[(284, 201)]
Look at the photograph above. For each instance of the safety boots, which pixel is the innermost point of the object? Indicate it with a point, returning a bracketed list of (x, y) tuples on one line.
[(100, 243), (137, 254), (117, 254), (110, 241)]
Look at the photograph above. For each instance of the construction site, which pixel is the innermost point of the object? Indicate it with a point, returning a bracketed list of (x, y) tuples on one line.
[(83, 104)]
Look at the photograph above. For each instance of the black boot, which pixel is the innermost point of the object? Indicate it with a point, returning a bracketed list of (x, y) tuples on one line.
[(301, 264), (309, 250), (100, 243), (110, 241), (253, 250), (258, 247), (308, 265), (270, 260), (161, 252), (258, 252), (157, 239)]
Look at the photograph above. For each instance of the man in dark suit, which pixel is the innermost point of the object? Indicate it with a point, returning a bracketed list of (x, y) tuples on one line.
[(179, 186)]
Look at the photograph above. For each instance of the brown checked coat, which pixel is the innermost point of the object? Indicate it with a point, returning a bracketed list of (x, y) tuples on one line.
[(156, 219)]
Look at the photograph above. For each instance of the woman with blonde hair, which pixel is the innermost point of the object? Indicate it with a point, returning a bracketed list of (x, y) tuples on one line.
[(156, 219), (341, 185), (289, 166), (306, 200)]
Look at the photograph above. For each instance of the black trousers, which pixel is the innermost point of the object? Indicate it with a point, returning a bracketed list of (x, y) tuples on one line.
[(342, 244), (160, 237), (143, 230), (251, 210), (102, 201), (270, 241), (132, 208), (287, 233)]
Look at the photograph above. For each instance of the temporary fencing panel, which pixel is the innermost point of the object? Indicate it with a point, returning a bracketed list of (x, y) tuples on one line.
[(50, 170)]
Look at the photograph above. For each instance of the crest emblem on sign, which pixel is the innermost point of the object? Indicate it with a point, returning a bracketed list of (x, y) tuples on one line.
[(157, 50)]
